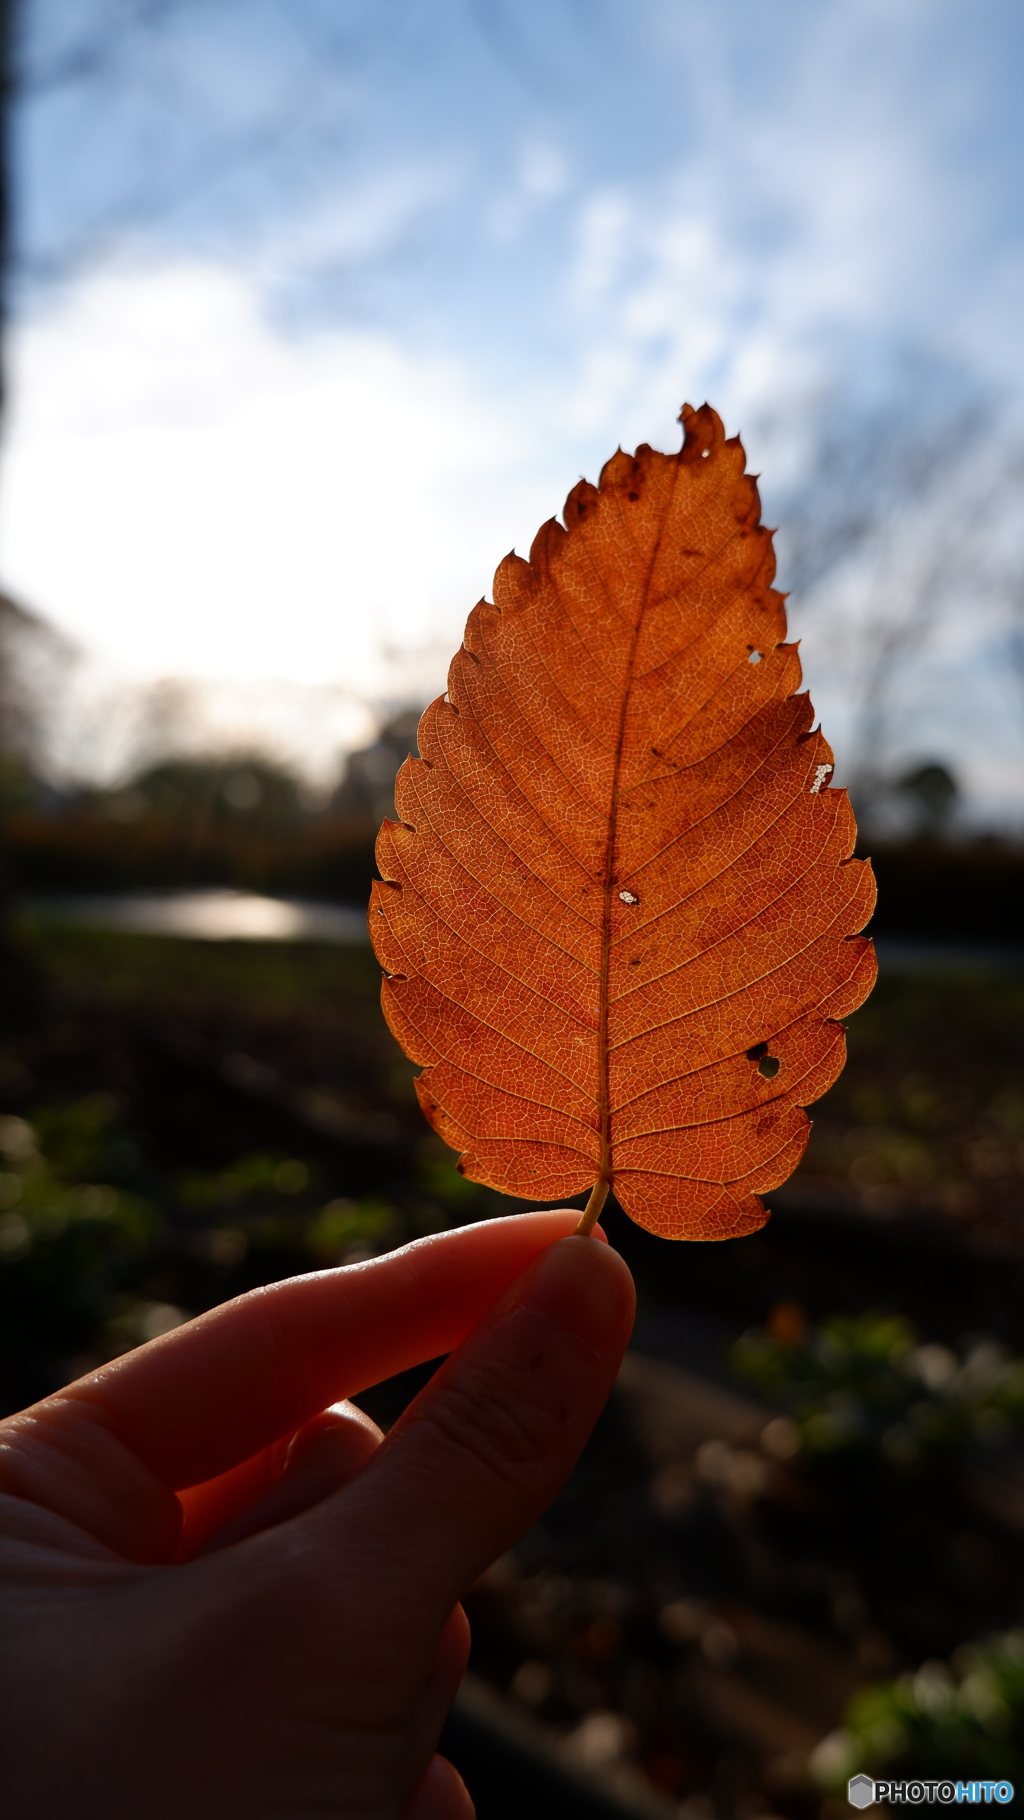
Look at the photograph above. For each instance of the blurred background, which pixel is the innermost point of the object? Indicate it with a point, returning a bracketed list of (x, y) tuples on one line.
[(310, 311)]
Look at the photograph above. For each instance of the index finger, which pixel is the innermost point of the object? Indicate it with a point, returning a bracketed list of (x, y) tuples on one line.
[(195, 1402)]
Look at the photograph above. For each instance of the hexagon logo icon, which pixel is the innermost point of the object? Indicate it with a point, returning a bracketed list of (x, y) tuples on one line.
[(860, 1791)]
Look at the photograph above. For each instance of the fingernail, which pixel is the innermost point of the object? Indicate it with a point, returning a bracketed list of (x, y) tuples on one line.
[(584, 1287)]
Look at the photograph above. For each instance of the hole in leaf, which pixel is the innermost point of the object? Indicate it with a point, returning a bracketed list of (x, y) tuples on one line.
[(628, 897), (769, 1066), (755, 656), (755, 1053)]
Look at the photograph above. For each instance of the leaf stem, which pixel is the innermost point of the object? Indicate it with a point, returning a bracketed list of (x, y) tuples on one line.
[(592, 1211)]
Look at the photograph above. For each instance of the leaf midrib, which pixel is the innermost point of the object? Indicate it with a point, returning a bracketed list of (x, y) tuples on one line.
[(604, 1097)]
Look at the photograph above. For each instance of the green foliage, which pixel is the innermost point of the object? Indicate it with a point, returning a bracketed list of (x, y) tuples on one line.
[(929, 1113), (437, 1175), (85, 1259), (274, 1207), (247, 790), (345, 1231), (865, 1384), (68, 1237), (259, 1176), (961, 1720), (204, 979), (82, 1140), (20, 789)]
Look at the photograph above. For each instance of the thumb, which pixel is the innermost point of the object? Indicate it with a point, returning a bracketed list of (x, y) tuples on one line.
[(484, 1448)]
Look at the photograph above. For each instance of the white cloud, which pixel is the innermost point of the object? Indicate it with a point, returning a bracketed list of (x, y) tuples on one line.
[(188, 491)]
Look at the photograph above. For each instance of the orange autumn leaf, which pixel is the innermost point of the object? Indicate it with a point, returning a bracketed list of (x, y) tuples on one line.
[(619, 914)]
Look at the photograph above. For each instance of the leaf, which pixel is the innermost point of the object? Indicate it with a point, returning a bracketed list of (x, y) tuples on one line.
[(619, 912)]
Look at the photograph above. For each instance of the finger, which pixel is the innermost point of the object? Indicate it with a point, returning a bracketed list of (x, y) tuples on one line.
[(483, 1449), (211, 1506), (442, 1795), (108, 1451), (220, 1388), (431, 1709), (320, 1458)]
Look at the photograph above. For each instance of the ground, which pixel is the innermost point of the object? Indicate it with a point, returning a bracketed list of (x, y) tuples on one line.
[(182, 1120)]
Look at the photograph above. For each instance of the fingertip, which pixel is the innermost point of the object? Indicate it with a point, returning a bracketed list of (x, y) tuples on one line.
[(324, 1455), (456, 1639), (441, 1795), (587, 1288), (339, 1418)]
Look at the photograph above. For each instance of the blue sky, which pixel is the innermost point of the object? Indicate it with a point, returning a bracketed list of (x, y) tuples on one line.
[(323, 305)]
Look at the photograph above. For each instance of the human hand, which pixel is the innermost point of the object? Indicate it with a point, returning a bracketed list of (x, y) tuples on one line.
[(220, 1598)]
